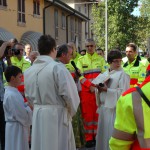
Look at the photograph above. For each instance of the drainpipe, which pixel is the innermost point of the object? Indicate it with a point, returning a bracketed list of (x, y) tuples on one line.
[(44, 10), (67, 26), (89, 36)]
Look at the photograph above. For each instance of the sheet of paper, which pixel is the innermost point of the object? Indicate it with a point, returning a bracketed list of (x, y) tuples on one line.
[(101, 78)]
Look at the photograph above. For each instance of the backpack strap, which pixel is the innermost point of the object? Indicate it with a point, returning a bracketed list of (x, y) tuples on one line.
[(143, 95)]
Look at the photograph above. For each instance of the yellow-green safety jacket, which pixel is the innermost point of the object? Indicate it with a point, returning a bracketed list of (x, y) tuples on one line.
[(22, 64), (132, 120), (70, 67), (90, 67), (136, 70)]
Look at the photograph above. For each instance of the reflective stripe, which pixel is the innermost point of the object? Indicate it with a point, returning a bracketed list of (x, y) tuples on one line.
[(92, 71), (139, 118), (123, 135), (90, 131), (90, 123), (83, 80), (91, 79)]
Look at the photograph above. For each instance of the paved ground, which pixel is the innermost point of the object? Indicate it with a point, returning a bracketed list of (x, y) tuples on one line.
[(86, 148), (77, 149)]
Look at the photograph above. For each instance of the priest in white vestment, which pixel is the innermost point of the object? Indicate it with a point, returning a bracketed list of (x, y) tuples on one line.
[(107, 97), (53, 93)]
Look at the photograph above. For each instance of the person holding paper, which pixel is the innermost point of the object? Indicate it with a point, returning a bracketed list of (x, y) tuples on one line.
[(90, 66), (107, 97)]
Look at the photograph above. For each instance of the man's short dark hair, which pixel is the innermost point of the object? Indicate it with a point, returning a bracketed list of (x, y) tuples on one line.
[(16, 44), (134, 47), (113, 54), (46, 44), (99, 49), (62, 49), (14, 40), (11, 71)]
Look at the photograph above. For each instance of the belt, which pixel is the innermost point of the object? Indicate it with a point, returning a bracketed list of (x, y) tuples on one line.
[(67, 116)]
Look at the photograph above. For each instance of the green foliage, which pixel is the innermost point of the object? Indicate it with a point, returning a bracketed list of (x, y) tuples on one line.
[(123, 27), (145, 8)]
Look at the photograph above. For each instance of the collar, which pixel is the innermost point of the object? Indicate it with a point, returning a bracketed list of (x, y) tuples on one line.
[(135, 62)]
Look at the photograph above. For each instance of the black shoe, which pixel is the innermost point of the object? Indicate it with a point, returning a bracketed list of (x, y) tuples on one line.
[(94, 143), (89, 144)]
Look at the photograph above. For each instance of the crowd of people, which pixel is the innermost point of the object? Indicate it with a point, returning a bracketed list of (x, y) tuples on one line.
[(71, 100)]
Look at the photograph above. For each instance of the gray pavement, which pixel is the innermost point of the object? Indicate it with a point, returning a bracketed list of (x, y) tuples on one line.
[(93, 148), (77, 148)]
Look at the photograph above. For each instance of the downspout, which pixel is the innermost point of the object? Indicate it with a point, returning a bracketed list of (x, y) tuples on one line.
[(44, 10), (67, 26), (89, 22)]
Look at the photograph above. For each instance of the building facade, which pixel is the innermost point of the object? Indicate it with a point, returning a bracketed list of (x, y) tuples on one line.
[(84, 7), (64, 22), (27, 20), (21, 19)]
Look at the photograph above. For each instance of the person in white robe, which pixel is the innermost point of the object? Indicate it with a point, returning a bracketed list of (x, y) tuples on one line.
[(18, 115), (107, 97), (53, 93)]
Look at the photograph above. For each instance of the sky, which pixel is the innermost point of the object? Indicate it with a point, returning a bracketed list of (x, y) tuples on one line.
[(136, 11)]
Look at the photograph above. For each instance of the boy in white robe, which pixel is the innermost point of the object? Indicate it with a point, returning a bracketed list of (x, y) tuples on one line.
[(107, 97), (18, 115)]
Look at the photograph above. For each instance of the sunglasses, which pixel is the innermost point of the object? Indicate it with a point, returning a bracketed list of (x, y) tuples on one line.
[(89, 46)]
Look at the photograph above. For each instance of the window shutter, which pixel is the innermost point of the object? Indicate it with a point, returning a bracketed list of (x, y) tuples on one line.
[(4, 3)]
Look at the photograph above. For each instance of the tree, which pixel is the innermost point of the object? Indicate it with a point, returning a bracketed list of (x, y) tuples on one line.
[(145, 13), (145, 8), (123, 27)]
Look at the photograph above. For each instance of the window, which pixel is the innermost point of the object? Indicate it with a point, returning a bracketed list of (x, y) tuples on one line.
[(86, 30), (36, 7), (21, 11), (3, 3), (63, 21), (76, 25), (72, 28), (85, 8), (56, 23), (79, 9), (79, 31)]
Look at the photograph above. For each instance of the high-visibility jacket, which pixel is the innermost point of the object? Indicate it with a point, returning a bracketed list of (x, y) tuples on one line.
[(70, 67), (148, 70), (132, 131), (21, 89), (90, 67), (22, 64), (136, 70)]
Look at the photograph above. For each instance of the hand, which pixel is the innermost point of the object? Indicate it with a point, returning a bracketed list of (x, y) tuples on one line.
[(92, 89), (102, 89), (31, 107)]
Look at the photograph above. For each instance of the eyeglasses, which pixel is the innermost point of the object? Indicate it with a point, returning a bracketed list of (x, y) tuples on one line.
[(89, 46), (117, 61)]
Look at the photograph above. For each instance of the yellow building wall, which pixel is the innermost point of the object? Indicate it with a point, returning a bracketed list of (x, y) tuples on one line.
[(9, 16)]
